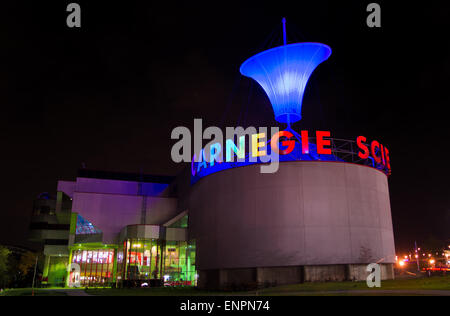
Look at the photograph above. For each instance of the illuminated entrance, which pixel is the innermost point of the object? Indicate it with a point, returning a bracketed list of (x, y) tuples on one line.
[(147, 259), (96, 267), (138, 261), (145, 255)]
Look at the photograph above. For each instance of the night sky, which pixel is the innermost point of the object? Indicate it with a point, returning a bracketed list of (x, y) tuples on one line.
[(109, 94)]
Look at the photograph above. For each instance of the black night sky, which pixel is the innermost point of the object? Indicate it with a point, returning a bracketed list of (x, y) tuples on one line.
[(109, 94)]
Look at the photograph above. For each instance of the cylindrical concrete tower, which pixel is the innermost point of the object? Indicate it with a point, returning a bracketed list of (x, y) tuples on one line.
[(310, 221)]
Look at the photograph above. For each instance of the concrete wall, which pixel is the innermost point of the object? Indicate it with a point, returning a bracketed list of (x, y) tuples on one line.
[(333, 272), (306, 214), (111, 212), (358, 272), (176, 234), (68, 187), (119, 187), (42, 234), (251, 278), (139, 232), (110, 205), (56, 250)]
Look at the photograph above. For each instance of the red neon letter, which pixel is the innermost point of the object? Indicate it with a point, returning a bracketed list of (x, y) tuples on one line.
[(386, 153), (289, 143), (305, 142), (365, 151), (374, 145), (322, 142)]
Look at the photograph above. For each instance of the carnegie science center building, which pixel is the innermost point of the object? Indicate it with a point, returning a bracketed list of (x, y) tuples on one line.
[(324, 215)]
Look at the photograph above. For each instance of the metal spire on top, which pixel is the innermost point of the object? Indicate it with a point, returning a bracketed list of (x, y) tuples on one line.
[(284, 31)]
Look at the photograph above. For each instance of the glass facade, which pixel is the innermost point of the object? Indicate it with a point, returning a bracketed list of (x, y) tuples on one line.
[(138, 260), (85, 227), (96, 267), (145, 259), (132, 262), (179, 263), (141, 259)]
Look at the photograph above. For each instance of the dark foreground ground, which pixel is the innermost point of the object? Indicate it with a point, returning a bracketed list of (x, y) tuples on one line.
[(434, 286)]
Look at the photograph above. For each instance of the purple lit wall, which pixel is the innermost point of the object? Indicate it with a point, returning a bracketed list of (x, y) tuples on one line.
[(110, 205)]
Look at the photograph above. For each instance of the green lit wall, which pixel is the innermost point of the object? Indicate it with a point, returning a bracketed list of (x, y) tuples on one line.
[(56, 270)]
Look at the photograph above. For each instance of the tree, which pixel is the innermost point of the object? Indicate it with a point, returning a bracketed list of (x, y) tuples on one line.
[(4, 256), (27, 261)]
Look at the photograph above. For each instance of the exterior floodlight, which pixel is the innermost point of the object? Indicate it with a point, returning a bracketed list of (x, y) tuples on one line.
[(283, 73)]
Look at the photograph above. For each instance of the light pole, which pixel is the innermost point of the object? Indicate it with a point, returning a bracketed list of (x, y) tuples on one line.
[(417, 256), (34, 276)]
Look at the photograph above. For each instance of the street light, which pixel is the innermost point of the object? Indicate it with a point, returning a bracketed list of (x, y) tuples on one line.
[(34, 276)]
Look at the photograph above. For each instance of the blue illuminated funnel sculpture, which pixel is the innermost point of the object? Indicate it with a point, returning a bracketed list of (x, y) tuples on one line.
[(283, 73)]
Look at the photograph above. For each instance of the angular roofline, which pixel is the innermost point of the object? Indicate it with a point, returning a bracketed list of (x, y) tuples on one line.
[(109, 175)]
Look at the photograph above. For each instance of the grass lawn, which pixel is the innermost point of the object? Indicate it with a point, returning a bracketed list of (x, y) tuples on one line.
[(440, 283), (163, 291), (433, 283), (37, 292)]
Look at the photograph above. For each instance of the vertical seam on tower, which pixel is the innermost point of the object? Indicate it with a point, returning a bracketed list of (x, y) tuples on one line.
[(348, 214), (303, 210)]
